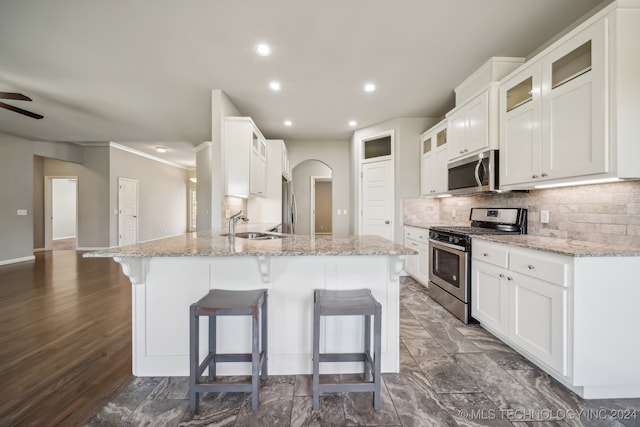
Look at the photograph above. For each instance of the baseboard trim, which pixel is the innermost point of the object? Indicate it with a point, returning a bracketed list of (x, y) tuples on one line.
[(15, 260), (97, 248)]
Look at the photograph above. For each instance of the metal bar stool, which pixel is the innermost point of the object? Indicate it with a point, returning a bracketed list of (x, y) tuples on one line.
[(359, 302), (220, 302)]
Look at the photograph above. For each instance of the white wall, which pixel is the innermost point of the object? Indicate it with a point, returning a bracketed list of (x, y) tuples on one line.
[(302, 174), (335, 154), (162, 195), (63, 208), (93, 193), (16, 182)]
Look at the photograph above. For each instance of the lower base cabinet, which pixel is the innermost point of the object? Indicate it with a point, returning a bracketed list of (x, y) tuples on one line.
[(571, 316), (417, 266)]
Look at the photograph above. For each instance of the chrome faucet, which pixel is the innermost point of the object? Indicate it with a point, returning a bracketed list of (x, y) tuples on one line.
[(235, 218)]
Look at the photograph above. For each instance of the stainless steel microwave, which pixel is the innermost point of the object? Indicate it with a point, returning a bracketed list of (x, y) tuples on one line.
[(475, 174)]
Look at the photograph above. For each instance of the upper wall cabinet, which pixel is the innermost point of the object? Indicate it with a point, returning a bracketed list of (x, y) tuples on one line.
[(473, 126), (567, 115), (433, 170), (245, 157)]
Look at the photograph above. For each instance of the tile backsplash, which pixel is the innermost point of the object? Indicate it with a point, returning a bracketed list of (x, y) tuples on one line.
[(606, 213), (231, 205)]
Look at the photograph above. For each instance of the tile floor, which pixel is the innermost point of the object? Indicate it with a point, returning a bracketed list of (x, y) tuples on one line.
[(451, 374)]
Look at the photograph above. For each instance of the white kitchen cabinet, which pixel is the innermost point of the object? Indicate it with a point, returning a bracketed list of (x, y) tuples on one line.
[(522, 295), (566, 115), (489, 292), (573, 316), (286, 167), (417, 266), (244, 150), (537, 319), (473, 127), (258, 167), (433, 167)]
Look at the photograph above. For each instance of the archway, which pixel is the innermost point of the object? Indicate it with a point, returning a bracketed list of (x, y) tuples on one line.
[(312, 185)]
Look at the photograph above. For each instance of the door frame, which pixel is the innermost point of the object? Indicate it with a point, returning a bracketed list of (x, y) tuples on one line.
[(48, 209), (361, 162), (120, 180), (312, 201)]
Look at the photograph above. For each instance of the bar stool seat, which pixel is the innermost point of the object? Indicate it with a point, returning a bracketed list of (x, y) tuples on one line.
[(357, 302), (220, 302)]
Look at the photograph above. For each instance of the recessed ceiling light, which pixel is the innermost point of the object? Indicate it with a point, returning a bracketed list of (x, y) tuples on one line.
[(353, 123), (275, 86), (288, 123), (160, 149), (263, 49), (369, 87)]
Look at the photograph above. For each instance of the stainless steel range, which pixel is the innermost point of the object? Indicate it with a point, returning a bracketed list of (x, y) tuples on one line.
[(450, 255)]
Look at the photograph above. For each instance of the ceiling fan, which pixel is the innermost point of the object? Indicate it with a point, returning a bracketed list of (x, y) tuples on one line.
[(18, 97)]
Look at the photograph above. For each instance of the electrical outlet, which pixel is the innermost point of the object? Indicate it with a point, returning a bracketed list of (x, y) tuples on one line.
[(544, 217)]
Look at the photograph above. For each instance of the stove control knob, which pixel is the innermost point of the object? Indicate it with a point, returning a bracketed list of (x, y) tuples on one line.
[(435, 235)]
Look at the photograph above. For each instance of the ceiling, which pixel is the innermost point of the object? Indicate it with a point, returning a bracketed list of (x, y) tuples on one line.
[(140, 73)]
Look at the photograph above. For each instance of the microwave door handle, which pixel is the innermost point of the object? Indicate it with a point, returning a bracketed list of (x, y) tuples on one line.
[(478, 181)]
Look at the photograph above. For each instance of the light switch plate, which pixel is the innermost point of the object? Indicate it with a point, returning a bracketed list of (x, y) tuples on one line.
[(22, 212), (544, 217)]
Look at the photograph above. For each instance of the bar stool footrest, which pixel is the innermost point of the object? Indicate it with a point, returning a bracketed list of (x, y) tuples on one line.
[(218, 386), (345, 357), (340, 387)]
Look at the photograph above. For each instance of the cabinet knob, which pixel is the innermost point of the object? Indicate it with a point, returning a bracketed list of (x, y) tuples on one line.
[(485, 254), (509, 278), (502, 276), (387, 222), (534, 176), (531, 267), (465, 150), (461, 151), (544, 174)]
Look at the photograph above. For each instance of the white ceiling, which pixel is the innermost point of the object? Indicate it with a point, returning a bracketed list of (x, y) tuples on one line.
[(142, 71)]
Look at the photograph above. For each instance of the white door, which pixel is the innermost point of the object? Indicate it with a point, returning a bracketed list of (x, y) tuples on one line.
[(127, 211), (377, 199)]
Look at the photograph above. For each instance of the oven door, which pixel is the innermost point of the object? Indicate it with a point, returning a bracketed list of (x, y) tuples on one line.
[(448, 269)]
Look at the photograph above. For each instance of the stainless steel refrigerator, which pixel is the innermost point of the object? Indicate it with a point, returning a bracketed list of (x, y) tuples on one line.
[(289, 212)]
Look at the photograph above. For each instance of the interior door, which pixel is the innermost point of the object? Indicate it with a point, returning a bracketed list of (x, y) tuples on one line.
[(377, 199), (127, 211)]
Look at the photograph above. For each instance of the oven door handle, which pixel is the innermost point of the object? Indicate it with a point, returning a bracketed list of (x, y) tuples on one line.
[(447, 245)]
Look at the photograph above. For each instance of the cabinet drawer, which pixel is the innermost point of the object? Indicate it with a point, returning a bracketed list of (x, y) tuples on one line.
[(416, 233), (540, 267), (490, 253)]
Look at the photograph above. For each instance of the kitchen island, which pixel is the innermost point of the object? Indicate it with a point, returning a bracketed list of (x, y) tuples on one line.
[(168, 275)]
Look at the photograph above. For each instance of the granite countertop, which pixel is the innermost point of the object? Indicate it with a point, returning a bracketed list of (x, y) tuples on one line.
[(211, 243), (575, 248)]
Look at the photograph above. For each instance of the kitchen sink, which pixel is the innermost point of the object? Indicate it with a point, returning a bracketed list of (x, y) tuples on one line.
[(256, 235)]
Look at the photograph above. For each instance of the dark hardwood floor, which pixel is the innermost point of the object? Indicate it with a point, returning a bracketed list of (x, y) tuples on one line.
[(65, 338)]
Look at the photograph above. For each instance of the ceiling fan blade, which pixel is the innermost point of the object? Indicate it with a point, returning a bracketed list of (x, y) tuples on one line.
[(21, 111), (13, 95)]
